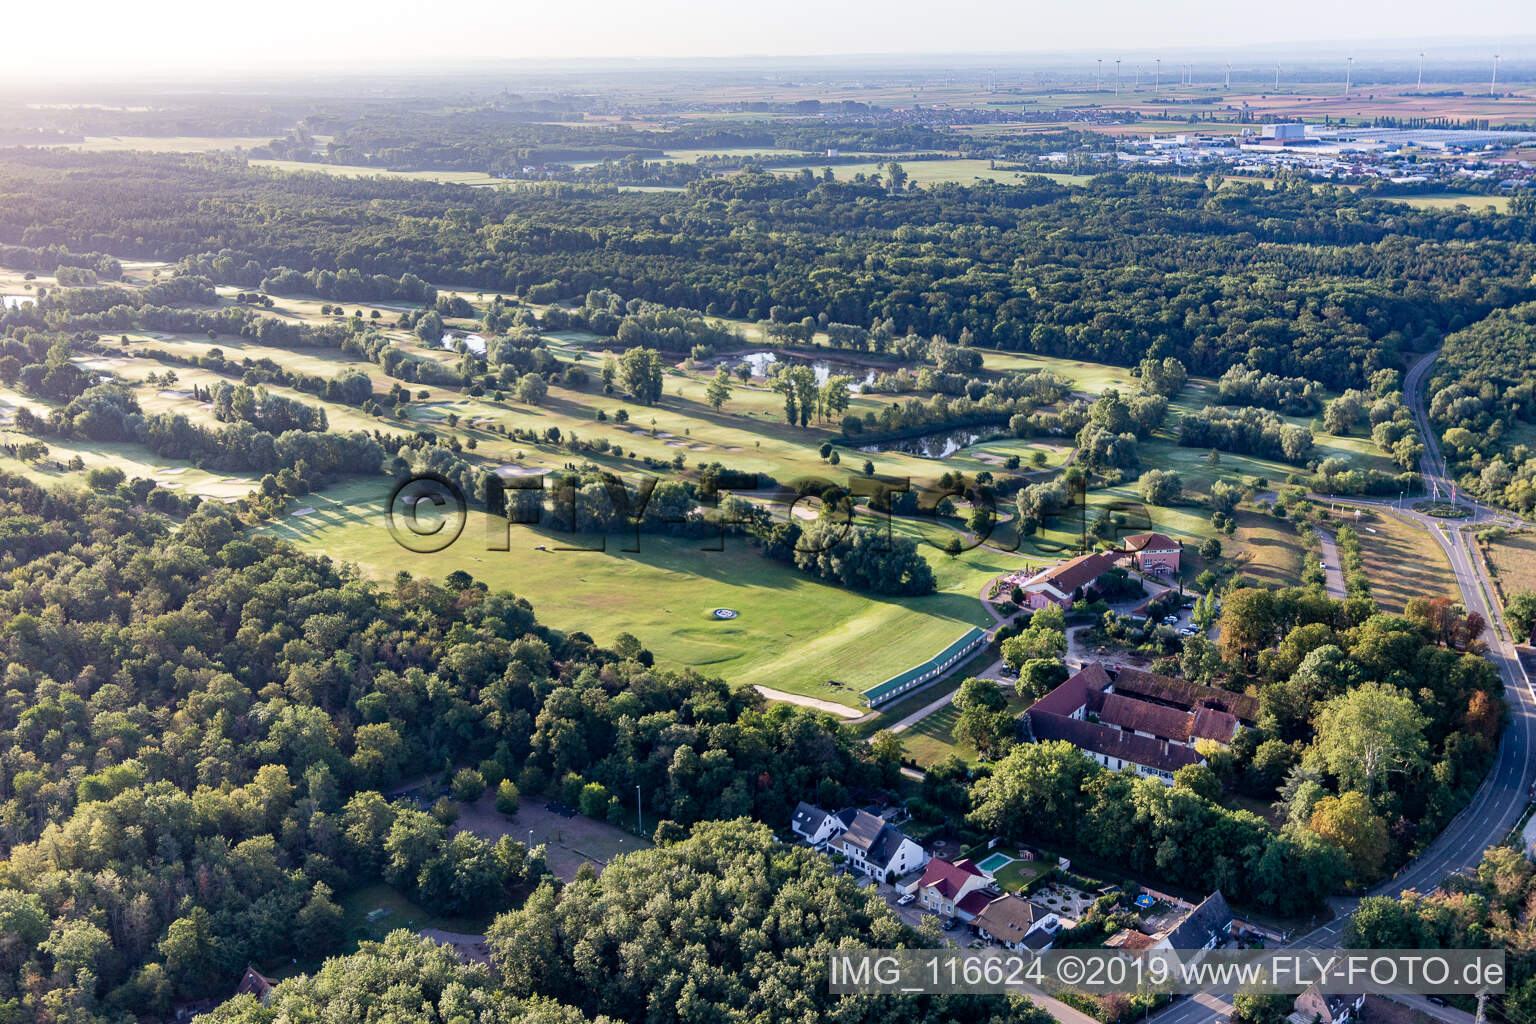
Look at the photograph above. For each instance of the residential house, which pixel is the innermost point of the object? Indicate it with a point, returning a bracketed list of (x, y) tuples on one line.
[(1315, 1007), (1202, 928), (945, 885), (1124, 717), (1206, 926), (874, 847), (254, 984), (813, 824), (1151, 553), (1012, 921)]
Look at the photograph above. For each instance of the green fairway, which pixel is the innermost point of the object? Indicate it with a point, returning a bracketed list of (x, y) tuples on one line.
[(792, 632)]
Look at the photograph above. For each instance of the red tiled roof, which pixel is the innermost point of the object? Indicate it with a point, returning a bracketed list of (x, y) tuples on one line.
[(975, 902), (1078, 572), (1101, 739), (948, 878), (1183, 694), (1075, 691), (1213, 724), (1148, 542), (1144, 716)]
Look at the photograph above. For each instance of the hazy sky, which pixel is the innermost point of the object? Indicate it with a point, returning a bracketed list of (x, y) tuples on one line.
[(96, 37)]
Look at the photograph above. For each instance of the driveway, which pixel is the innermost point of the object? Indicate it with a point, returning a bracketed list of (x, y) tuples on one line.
[(1333, 570)]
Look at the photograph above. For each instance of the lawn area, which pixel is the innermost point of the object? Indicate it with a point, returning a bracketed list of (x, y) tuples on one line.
[(400, 912), (1401, 560), (1514, 559), (1265, 550), (792, 633), (1016, 874), (933, 739)]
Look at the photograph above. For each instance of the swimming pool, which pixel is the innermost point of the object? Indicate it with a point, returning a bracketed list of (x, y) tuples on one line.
[(994, 862)]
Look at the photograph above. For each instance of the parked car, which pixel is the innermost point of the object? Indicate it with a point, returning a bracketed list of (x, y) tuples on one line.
[(1437, 1000), (1169, 620), (908, 898)]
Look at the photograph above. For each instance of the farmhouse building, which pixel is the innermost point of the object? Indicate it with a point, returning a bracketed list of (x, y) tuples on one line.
[(1126, 718)]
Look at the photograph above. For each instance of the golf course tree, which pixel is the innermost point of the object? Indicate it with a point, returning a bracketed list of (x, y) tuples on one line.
[(320, 691), (640, 373), (984, 720), (861, 558), (719, 390), (1044, 638)]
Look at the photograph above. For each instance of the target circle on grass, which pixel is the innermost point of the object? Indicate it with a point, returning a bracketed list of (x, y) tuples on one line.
[(724, 613)]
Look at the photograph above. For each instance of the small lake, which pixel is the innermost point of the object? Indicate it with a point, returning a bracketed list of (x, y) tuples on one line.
[(472, 343), (823, 368), (940, 444)]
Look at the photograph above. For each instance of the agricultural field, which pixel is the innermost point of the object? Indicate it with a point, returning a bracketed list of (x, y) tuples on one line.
[(168, 143), (1450, 201), (474, 178)]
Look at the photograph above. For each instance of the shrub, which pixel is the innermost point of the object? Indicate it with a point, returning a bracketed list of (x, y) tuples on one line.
[(507, 797), (468, 784)]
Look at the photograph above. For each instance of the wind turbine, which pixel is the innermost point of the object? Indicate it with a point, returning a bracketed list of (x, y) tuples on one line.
[(1117, 76), (1097, 74), (1421, 72), (1349, 67), (1494, 81)]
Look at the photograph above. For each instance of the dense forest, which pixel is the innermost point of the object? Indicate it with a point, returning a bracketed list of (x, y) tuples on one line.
[(197, 725), (1482, 397), (1296, 281)]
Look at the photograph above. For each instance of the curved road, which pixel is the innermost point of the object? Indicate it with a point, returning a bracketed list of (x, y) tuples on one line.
[(1501, 799)]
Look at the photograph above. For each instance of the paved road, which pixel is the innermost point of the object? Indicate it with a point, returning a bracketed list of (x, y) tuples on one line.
[(1333, 571), (1499, 802)]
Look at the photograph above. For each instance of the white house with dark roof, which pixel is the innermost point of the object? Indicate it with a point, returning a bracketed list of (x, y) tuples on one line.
[(1013, 921), (1314, 1006), (813, 824), (1207, 926), (874, 847)]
